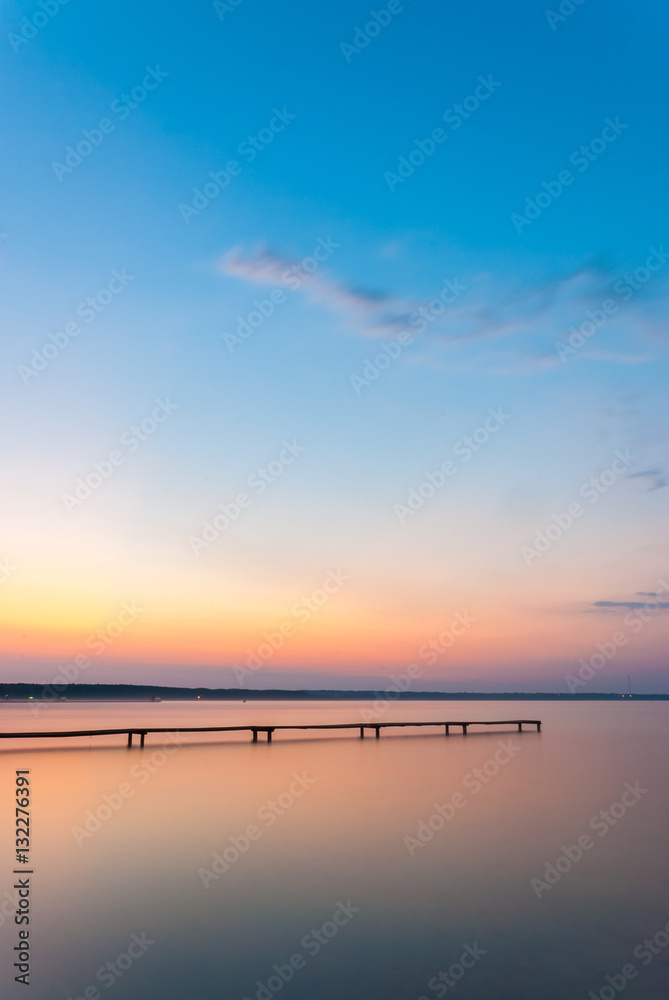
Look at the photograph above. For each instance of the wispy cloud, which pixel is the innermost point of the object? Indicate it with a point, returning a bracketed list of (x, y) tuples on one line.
[(616, 606), (528, 318), (657, 478), (616, 356), (363, 307)]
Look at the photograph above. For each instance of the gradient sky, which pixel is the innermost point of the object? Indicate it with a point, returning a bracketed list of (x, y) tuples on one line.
[(328, 177)]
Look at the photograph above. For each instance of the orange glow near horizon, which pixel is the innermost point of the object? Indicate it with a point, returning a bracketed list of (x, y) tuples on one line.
[(336, 639)]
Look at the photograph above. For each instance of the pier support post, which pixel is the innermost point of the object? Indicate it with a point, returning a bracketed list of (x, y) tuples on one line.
[(129, 739), (538, 727), (255, 736), (464, 728), (378, 732), (362, 732), (141, 739), (447, 730), (520, 727), (269, 735)]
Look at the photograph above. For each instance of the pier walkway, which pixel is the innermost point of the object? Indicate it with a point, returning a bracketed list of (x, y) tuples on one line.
[(142, 733)]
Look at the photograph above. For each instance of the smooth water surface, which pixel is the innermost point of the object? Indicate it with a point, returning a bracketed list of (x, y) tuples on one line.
[(371, 865)]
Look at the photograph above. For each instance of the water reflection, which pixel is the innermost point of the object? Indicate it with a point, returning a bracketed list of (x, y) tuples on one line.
[(364, 868)]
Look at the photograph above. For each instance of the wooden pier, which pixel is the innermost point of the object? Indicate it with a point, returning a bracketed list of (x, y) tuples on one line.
[(376, 727)]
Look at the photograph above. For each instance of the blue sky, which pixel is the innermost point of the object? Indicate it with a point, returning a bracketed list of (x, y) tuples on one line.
[(344, 121)]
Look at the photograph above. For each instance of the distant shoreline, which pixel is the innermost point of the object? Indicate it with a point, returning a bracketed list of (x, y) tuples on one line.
[(146, 692)]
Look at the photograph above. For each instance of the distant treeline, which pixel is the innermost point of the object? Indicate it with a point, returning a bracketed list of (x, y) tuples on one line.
[(144, 692)]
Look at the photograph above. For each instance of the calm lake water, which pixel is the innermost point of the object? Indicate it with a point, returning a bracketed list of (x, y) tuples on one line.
[(330, 867)]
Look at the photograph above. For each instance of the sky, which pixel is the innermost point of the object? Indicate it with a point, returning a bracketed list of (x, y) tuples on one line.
[(334, 344)]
